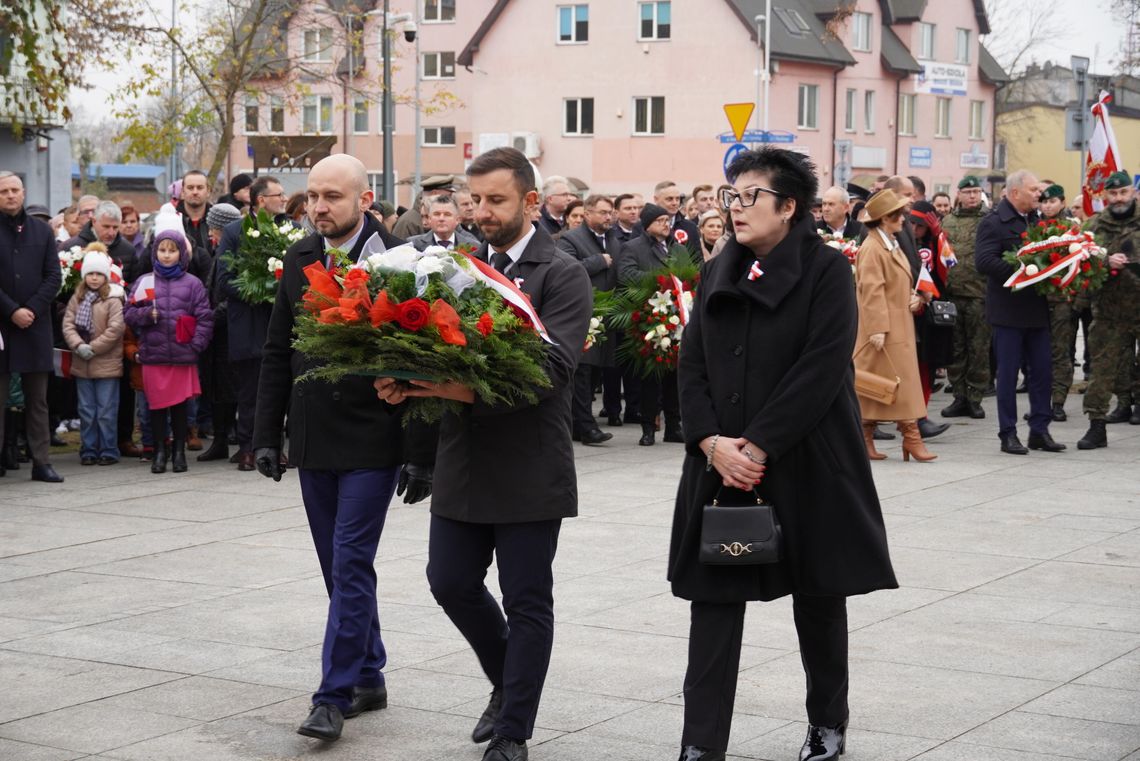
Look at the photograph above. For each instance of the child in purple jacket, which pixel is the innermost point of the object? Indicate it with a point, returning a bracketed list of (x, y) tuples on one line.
[(170, 313)]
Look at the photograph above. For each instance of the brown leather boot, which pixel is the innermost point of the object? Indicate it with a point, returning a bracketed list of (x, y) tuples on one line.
[(912, 445), (193, 443), (869, 440)]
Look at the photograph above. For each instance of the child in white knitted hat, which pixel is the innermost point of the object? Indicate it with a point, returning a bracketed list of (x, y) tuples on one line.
[(93, 329)]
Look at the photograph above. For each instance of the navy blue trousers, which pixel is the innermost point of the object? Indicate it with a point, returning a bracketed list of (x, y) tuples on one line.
[(514, 650), (346, 511), (1031, 348)]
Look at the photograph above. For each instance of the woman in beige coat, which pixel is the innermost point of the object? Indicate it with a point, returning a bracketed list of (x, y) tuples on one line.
[(886, 345)]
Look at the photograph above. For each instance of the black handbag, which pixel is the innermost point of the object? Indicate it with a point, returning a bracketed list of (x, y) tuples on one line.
[(941, 314), (747, 534)]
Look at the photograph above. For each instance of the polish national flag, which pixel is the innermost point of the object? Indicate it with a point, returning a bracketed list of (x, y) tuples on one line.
[(926, 282), (1103, 159)]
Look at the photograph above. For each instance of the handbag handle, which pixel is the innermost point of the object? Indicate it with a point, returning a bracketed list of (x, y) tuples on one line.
[(716, 498)]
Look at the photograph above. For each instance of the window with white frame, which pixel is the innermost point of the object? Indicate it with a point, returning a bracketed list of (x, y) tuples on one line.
[(438, 137), (360, 109), (861, 31), (656, 20), (977, 119), (439, 65), (942, 117), (578, 116), (438, 10), (807, 115), (962, 48), (317, 115), (926, 41), (252, 115), (318, 45), (869, 112), (573, 23), (276, 115), (849, 117), (906, 113), (649, 116)]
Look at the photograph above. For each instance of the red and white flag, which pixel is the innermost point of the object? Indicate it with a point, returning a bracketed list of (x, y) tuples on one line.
[(61, 361), (926, 282), (1103, 159)]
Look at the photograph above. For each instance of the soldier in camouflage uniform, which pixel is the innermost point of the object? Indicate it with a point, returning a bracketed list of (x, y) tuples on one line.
[(1116, 308), (970, 373), (1062, 325)]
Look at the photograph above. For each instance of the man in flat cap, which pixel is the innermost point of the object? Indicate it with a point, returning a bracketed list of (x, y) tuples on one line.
[(1116, 313), (411, 222)]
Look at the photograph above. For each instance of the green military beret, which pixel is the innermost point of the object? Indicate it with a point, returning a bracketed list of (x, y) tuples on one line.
[(969, 181), (1118, 180), (1053, 191)]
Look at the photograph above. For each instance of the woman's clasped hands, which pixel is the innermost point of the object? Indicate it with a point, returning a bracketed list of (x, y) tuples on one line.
[(740, 463)]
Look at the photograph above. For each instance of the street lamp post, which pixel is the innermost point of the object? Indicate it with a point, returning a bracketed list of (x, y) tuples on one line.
[(763, 65), (349, 20), (386, 54)]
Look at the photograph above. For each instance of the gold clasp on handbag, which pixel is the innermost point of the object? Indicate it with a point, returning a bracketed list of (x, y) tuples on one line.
[(736, 549)]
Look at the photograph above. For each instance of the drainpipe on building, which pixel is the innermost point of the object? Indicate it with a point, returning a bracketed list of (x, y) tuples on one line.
[(834, 119), (898, 95)]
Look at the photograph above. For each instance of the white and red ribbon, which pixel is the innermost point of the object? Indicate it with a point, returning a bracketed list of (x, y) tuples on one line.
[(509, 291), (679, 297), (1081, 248), (754, 272)]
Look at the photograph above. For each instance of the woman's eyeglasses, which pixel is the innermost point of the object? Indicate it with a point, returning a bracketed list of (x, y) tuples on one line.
[(746, 197)]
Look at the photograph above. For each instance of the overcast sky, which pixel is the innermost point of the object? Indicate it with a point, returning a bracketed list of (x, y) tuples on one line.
[(1091, 31)]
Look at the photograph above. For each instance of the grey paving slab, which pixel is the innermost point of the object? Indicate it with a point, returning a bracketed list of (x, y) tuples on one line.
[(1078, 738), (956, 751), (200, 698), (1122, 673), (92, 727), (11, 749), (784, 743), (1072, 582), (1078, 701)]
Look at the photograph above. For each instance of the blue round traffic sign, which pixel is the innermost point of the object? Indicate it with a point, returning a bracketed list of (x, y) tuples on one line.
[(732, 152)]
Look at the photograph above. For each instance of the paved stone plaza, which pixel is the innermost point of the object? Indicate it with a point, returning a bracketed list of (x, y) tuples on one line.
[(179, 618)]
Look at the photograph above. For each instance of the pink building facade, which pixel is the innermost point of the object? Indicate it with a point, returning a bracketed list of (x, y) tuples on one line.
[(624, 93)]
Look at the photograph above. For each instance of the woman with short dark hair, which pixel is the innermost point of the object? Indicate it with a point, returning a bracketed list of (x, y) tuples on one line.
[(769, 410)]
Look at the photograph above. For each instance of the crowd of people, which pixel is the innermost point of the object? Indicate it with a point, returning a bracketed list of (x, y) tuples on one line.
[(157, 338)]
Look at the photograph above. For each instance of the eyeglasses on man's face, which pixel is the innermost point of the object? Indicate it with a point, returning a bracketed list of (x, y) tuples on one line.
[(746, 197)]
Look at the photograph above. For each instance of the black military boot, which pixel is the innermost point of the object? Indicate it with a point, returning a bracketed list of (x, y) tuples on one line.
[(1095, 437), (647, 436), (1059, 415), (960, 407), (1122, 414)]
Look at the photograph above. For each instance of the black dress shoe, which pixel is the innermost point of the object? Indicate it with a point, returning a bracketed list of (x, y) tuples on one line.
[(614, 421), (1044, 442), (47, 474), (929, 430), (367, 699), (883, 435), (1012, 445), (506, 749), (960, 407), (646, 439), (693, 753), (595, 437), (824, 743), (485, 727), (325, 722)]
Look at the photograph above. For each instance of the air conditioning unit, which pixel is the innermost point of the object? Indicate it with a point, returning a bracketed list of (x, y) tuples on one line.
[(527, 142)]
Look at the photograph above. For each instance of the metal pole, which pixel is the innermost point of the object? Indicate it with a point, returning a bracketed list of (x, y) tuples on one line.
[(173, 88), (767, 58), (419, 137), (386, 54), (759, 69), (349, 105)]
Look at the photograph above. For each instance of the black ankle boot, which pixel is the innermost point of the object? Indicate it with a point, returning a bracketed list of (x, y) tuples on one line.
[(178, 459), (824, 743), (218, 449), (647, 435), (161, 453)]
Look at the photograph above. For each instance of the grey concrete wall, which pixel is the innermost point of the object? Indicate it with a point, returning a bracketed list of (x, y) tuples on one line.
[(44, 163)]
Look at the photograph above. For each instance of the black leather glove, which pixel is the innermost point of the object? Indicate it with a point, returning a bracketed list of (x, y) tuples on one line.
[(416, 481), (268, 460)]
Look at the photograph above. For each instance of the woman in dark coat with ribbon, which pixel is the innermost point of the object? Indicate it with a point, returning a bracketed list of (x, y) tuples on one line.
[(768, 402)]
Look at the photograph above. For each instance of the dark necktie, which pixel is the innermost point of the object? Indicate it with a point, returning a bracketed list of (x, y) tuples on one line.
[(500, 261), (601, 241), (444, 243)]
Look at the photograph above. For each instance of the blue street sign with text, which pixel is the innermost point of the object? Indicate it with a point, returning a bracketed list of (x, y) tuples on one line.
[(921, 158), (758, 136)]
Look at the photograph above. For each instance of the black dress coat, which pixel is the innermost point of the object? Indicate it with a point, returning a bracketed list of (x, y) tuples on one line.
[(583, 245), (332, 426), (638, 256), (247, 324), (998, 232), (770, 360), (514, 464), (29, 277)]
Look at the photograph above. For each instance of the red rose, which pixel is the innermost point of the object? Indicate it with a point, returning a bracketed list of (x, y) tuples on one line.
[(277, 274), (1085, 266), (485, 325), (636, 317), (1056, 281), (413, 314), (1084, 284)]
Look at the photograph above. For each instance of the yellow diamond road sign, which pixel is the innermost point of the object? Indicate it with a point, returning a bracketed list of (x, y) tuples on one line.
[(738, 115)]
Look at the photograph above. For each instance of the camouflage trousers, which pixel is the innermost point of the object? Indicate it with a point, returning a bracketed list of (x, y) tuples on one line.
[(1062, 333), (970, 372), (1112, 341)]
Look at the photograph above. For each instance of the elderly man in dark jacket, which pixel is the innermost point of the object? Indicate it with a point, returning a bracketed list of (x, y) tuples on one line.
[(29, 280), (104, 227), (1020, 319), (595, 243)]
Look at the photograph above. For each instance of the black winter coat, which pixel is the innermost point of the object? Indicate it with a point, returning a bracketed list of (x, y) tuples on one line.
[(770, 360), (998, 232), (246, 323), (332, 426), (29, 277), (582, 244)]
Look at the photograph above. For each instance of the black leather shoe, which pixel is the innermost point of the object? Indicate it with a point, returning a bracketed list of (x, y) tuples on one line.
[(976, 411), (595, 437), (106, 460), (505, 749), (88, 460), (367, 699), (158, 463), (485, 727), (674, 435), (47, 474), (1059, 414), (883, 435), (929, 430), (178, 459), (1044, 442), (325, 722), (1122, 414), (960, 407), (218, 450), (646, 439), (1012, 445), (614, 421), (693, 753), (824, 743)]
